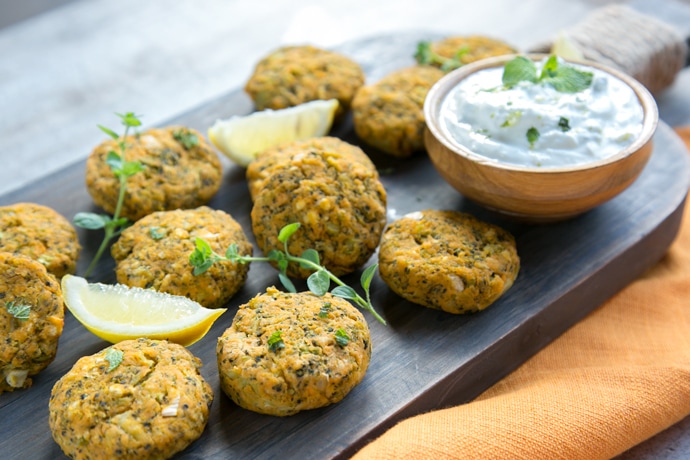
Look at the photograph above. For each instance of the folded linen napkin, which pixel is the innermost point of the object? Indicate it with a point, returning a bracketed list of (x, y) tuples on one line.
[(613, 380)]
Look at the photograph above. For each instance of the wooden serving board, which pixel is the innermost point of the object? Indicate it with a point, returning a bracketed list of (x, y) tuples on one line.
[(423, 359)]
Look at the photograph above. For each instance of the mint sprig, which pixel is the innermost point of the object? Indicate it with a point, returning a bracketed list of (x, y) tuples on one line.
[(319, 282), (563, 78)]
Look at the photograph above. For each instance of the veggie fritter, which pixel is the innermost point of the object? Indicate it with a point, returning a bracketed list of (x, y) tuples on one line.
[(448, 260), (138, 399), (389, 114), (31, 319), (292, 153), (154, 253), (285, 352), (340, 204), (40, 233), (293, 75), (180, 170)]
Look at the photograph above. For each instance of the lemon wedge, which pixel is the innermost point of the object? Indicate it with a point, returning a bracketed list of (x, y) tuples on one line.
[(564, 47), (118, 312), (242, 138)]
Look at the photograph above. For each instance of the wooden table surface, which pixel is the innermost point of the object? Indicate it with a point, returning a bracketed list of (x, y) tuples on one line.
[(67, 68)]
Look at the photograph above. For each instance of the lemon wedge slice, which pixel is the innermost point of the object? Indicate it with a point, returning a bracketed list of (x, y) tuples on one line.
[(564, 47), (118, 312), (242, 138)]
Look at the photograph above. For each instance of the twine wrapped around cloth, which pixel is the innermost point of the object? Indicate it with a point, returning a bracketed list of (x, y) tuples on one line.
[(616, 35), (613, 380)]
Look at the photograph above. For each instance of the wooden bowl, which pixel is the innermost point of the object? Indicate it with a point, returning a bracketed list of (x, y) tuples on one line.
[(532, 193)]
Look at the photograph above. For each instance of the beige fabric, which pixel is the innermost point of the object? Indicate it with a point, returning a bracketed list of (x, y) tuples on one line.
[(613, 380)]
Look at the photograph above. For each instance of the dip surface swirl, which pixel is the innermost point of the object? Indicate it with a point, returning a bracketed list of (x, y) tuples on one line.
[(565, 128)]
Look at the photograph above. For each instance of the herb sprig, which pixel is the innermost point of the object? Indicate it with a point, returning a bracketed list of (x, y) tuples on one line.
[(563, 78), (123, 170), (426, 56), (319, 282)]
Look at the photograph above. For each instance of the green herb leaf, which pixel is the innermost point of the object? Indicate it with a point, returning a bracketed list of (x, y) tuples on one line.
[(287, 231), (109, 132), (532, 136), (114, 160), (311, 255), (519, 69), (280, 259), (424, 55), (319, 282), (202, 257), (341, 337), (18, 310), (157, 233), (90, 220), (344, 292), (275, 341), (286, 282), (186, 138), (130, 168), (367, 276), (325, 308), (564, 124), (114, 358), (570, 80), (129, 119)]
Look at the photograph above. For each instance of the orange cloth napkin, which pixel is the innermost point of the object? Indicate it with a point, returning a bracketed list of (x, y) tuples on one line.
[(613, 380)]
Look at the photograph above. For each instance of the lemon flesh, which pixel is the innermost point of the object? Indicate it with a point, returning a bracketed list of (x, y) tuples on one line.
[(117, 312), (242, 138)]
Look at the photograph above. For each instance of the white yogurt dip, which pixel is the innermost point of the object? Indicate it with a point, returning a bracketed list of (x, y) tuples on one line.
[(565, 128)]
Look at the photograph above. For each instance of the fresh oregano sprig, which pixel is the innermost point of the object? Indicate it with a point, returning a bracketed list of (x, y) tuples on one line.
[(319, 282), (563, 78), (123, 170)]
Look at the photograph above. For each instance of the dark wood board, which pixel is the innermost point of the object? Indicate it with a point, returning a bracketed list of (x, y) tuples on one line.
[(423, 359)]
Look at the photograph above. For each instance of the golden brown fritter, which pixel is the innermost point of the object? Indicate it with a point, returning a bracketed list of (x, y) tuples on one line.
[(471, 48), (31, 319), (389, 114), (152, 405), (285, 352), (181, 171), (448, 260), (340, 204), (40, 233), (293, 75), (337, 151), (154, 253)]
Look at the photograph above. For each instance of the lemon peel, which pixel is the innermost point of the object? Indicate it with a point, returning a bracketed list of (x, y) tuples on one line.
[(242, 138), (118, 312)]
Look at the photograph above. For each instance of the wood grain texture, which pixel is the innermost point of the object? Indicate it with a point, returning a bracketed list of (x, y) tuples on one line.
[(423, 359)]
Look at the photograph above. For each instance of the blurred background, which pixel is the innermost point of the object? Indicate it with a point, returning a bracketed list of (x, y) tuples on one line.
[(67, 65)]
